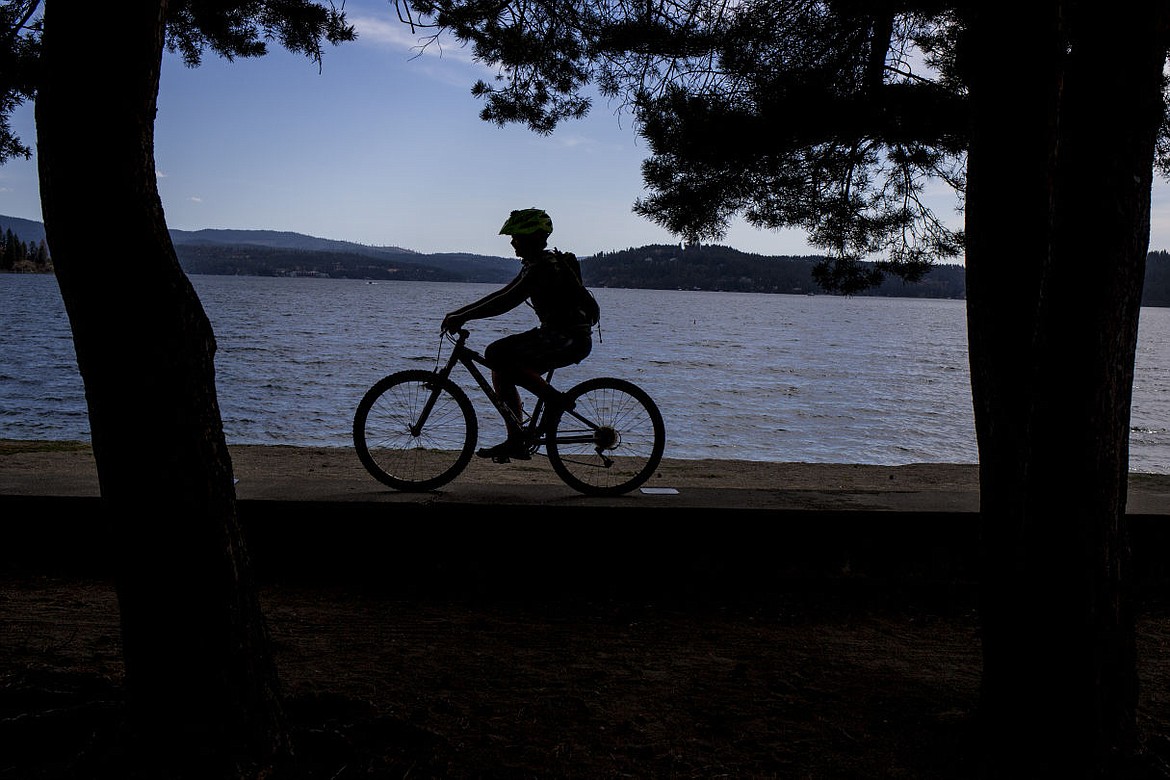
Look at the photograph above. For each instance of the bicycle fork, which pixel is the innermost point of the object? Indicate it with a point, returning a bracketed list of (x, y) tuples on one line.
[(436, 387)]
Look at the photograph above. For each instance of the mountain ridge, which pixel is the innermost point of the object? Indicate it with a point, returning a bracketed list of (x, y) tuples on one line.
[(284, 239), (286, 253), (655, 266)]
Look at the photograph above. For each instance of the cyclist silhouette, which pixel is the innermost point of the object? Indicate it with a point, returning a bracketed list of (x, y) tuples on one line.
[(551, 283)]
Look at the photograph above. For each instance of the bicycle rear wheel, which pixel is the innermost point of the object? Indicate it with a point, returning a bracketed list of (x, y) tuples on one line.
[(399, 453), (610, 442)]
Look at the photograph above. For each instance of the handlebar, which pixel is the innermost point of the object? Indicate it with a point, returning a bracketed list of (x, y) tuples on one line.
[(458, 338)]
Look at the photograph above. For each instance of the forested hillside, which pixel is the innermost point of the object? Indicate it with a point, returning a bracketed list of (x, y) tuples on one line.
[(670, 267), (1157, 289), (655, 267), (248, 260)]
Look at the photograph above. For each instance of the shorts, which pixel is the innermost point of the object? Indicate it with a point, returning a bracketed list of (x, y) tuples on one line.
[(540, 349)]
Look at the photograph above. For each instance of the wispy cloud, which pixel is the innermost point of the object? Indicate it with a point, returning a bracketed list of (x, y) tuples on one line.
[(390, 32), (443, 59)]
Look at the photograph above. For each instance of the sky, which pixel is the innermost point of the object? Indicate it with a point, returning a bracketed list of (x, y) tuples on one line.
[(384, 146)]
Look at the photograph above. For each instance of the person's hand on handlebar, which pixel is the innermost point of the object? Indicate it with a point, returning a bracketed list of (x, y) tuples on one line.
[(452, 324)]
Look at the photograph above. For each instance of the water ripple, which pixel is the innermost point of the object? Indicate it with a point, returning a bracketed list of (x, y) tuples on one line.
[(743, 376)]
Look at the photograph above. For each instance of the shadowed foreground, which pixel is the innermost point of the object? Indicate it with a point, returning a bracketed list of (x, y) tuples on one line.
[(767, 621), (833, 680)]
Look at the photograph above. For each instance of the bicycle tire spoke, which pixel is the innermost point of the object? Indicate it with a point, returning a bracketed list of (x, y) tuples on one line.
[(395, 450), (619, 447)]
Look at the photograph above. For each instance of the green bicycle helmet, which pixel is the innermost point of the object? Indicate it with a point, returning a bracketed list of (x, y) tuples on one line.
[(525, 222)]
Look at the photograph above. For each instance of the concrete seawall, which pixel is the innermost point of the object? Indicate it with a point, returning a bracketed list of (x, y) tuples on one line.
[(702, 527)]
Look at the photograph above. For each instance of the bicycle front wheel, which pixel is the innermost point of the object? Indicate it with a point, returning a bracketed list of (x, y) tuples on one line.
[(404, 453), (611, 440)]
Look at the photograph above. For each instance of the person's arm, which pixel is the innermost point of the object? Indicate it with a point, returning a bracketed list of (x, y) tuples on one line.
[(493, 304)]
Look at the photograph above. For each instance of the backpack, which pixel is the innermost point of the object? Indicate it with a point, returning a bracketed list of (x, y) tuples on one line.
[(586, 301)]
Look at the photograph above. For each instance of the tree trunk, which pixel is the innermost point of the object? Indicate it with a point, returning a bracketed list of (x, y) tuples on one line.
[(202, 689), (1058, 226)]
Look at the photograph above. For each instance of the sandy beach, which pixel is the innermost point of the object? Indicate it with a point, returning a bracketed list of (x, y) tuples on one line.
[(72, 463), (274, 473)]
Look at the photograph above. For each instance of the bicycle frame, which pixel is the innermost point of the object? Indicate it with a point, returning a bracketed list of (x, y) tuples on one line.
[(471, 360)]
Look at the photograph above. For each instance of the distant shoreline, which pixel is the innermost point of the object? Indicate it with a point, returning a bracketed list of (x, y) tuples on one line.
[(654, 266)]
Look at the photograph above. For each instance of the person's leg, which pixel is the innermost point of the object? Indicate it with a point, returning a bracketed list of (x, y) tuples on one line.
[(507, 356), (545, 350), (510, 395), (528, 378), (521, 360)]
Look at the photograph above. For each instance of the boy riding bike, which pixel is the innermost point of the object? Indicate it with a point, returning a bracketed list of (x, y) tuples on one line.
[(551, 282)]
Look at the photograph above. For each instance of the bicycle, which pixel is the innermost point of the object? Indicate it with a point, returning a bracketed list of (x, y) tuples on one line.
[(416, 430)]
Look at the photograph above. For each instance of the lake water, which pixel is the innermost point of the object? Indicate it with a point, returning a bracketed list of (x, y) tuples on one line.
[(813, 379)]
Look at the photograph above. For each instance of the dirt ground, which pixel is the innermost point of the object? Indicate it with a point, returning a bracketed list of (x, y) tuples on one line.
[(826, 682), (838, 678)]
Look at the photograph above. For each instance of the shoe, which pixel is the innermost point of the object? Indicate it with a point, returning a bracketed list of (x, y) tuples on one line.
[(506, 451)]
